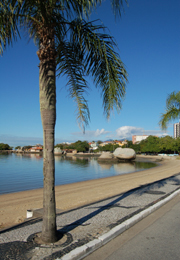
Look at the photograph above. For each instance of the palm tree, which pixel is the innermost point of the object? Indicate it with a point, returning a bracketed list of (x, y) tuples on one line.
[(172, 109), (68, 44)]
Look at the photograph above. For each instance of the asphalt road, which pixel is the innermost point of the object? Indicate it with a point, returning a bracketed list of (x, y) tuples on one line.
[(155, 237)]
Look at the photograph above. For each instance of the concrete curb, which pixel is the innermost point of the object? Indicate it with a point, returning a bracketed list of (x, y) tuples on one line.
[(81, 252)]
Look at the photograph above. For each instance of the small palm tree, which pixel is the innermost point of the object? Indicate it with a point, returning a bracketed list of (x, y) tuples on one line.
[(172, 109), (67, 45)]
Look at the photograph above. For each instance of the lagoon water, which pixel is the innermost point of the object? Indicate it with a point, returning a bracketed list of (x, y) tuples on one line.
[(19, 172)]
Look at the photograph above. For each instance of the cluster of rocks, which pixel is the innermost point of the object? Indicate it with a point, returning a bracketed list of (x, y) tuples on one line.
[(118, 155)]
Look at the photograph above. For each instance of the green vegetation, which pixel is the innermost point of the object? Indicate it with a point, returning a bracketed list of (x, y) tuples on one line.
[(5, 147), (150, 145), (80, 146), (154, 145), (172, 109)]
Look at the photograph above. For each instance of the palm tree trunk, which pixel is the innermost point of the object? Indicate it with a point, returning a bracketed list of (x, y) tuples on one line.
[(47, 91), (48, 116)]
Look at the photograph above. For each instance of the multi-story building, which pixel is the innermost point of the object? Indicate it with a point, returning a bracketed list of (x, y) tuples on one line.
[(138, 138), (176, 130)]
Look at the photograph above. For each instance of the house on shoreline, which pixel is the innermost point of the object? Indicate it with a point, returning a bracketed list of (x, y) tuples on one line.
[(36, 149)]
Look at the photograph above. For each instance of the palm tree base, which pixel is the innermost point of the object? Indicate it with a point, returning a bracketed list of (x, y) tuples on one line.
[(58, 238)]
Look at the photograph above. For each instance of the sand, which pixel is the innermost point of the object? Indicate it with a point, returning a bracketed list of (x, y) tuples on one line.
[(14, 206)]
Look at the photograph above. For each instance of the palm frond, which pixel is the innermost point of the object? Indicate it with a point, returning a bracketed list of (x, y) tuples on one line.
[(84, 8), (172, 109), (8, 24), (101, 61), (69, 63), (118, 6), (173, 100), (168, 117)]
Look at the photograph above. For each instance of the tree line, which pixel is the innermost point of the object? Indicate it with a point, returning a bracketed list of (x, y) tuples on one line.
[(155, 145)]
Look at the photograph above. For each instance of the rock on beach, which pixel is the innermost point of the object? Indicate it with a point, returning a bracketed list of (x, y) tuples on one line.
[(125, 153)]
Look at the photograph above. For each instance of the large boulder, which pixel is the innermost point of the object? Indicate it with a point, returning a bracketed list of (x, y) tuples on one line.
[(125, 153)]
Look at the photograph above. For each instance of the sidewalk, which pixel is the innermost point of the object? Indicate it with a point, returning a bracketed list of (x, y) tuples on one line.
[(88, 228)]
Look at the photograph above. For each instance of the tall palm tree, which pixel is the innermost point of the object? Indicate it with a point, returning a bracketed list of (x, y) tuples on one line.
[(172, 109), (68, 44)]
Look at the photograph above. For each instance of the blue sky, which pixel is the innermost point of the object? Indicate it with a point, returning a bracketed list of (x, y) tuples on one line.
[(148, 41)]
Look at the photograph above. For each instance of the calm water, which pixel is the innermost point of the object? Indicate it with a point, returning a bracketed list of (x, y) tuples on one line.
[(24, 172)]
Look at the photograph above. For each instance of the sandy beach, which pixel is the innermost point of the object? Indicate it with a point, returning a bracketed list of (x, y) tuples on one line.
[(13, 206)]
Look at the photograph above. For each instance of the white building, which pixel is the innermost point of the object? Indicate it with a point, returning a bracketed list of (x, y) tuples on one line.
[(138, 138), (176, 130), (93, 146)]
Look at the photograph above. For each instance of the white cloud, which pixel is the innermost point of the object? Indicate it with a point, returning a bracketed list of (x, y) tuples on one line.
[(126, 132)]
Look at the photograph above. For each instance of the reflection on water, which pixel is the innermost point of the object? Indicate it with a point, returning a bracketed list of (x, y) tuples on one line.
[(105, 166), (124, 167), (20, 172), (28, 155)]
